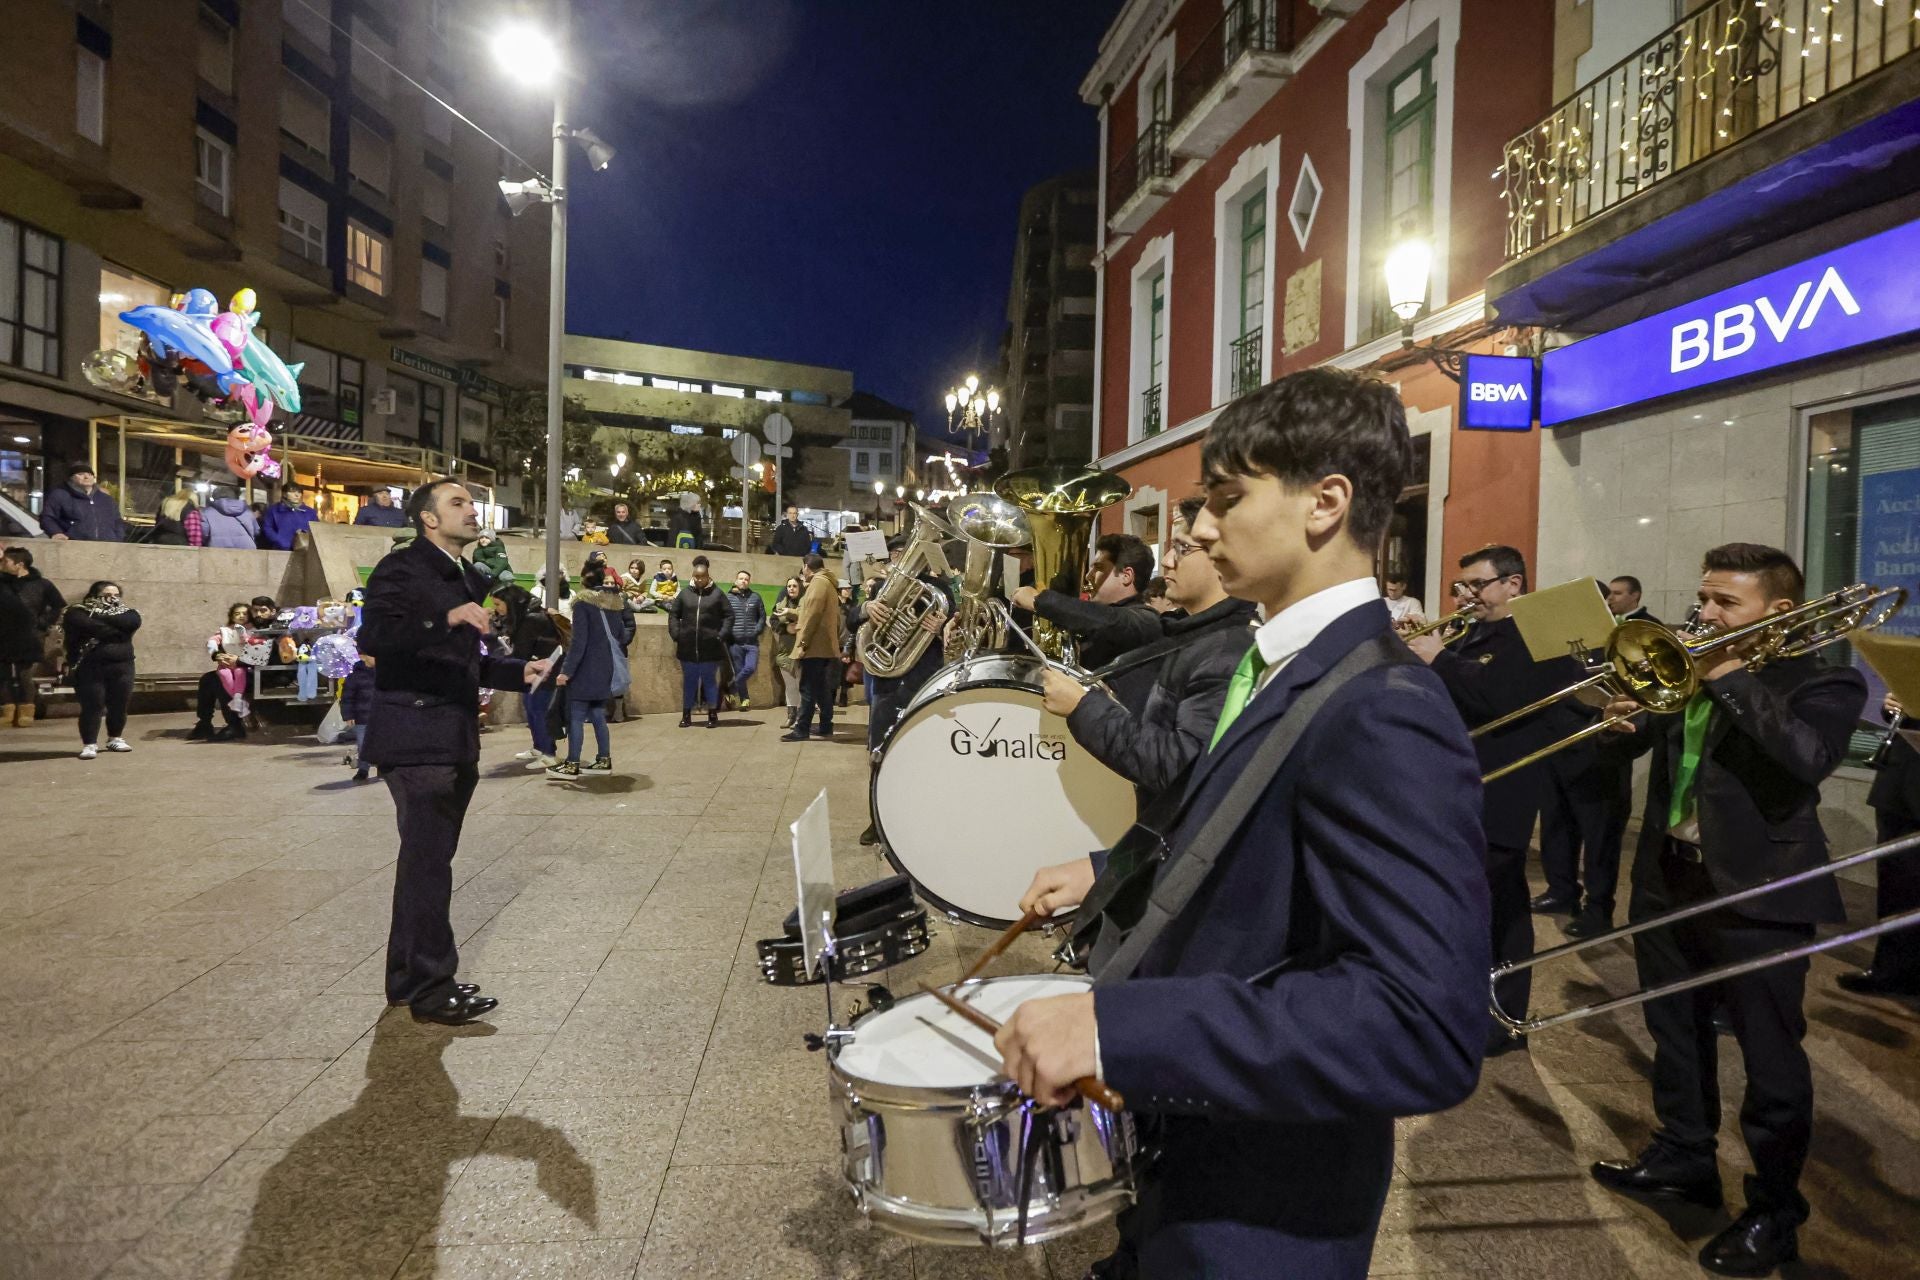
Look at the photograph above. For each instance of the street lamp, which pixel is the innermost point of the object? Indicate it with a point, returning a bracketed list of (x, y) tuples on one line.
[(1408, 266), (534, 55), (970, 409)]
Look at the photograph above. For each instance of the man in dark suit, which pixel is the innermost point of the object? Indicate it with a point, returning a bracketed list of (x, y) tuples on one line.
[(1895, 799), (1623, 597), (423, 620), (1488, 673), (1733, 795), (1116, 620), (1329, 974)]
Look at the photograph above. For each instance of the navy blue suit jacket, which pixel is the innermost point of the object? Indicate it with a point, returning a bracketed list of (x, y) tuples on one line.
[(1362, 866)]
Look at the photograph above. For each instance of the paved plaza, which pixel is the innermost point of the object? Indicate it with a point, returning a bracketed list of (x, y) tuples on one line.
[(199, 1077)]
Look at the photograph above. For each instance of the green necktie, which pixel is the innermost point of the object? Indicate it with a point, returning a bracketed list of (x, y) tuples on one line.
[(1692, 741), (1240, 689)]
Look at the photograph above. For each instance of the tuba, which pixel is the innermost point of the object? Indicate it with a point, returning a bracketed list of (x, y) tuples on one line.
[(990, 524), (891, 648), (1061, 502)]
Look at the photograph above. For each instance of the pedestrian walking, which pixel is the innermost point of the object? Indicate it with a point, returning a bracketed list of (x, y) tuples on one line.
[(700, 620), (532, 633), (356, 707), (749, 620), (423, 622), (816, 649), (100, 664), (594, 670)]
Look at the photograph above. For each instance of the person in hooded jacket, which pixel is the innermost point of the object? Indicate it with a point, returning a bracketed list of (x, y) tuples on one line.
[(700, 620), (100, 664), (230, 522), (43, 604), (594, 671)]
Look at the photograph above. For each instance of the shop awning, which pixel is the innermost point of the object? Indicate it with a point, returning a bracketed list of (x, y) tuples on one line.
[(340, 462)]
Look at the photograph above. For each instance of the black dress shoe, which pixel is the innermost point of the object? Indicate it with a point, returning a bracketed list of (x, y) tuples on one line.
[(1588, 924), (871, 835), (1869, 982), (454, 1010), (793, 737), (464, 988), (1550, 904), (1660, 1177), (1754, 1245)]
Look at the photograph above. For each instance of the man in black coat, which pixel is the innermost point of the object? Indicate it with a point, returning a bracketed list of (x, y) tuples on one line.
[(1117, 620), (423, 621), (1733, 795), (1490, 672), (790, 537), (41, 605), (1895, 799)]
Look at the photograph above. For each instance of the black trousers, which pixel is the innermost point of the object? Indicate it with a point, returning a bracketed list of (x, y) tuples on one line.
[(1896, 955), (1776, 1116), (16, 680), (430, 803), (104, 690), (1585, 813), (211, 694), (816, 691), (1512, 923)]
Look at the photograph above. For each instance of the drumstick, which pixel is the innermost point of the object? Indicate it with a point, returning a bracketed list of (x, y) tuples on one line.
[(1000, 944), (1092, 1090)]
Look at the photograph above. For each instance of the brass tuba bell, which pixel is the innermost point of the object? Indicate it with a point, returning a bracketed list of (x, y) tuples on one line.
[(1061, 502)]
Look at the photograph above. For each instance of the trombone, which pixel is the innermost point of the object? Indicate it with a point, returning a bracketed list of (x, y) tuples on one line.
[(1537, 1022), (1658, 667)]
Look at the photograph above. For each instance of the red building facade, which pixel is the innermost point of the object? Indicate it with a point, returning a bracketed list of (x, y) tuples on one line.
[(1260, 159)]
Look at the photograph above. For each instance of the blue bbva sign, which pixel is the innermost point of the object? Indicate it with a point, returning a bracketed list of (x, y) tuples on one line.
[(1496, 393), (1862, 293)]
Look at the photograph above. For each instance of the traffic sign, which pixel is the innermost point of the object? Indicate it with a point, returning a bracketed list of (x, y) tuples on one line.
[(741, 473), (746, 449), (779, 451), (778, 427)]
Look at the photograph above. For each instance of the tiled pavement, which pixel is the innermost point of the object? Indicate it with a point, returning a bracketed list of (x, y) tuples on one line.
[(198, 1077)]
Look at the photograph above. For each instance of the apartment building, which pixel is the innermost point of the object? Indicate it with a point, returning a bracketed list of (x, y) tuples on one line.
[(150, 148), (1048, 360), (1259, 159)]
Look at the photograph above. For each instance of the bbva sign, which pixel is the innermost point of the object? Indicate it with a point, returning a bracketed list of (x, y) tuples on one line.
[(1732, 332)]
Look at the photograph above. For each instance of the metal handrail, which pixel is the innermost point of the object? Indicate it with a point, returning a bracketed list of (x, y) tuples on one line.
[(1247, 26), (1246, 363), (1148, 158)]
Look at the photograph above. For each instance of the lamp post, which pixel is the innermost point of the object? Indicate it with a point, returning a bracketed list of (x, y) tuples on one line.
[(971, 410), (535, 56), (1408, 269)]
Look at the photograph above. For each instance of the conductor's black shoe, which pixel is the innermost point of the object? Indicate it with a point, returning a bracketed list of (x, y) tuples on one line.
[(871, 835), (464, 988), (1870, 982), (1660, 1176), (1552, 904), (455, 1010), (795, 736), (1588, 924), (1754, 1245)]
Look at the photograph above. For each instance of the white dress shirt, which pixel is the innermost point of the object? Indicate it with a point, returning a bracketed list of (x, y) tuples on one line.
[(1283, 636)]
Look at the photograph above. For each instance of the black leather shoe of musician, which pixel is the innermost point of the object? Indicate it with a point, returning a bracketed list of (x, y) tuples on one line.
[(1588, 924), (1551, 904), (1754, 1245), (871, 835), (1659, 1176), (1870, 982), (454, 1010), (793, 737), (464, 988)]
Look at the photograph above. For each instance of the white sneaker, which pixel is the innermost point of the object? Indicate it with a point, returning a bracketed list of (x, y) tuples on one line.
[(528, 754), (542, 762), (89, 751), (118, 744)]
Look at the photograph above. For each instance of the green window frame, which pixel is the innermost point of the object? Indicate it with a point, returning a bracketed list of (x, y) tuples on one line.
[(1156, 325), (1157, 100), (1253, 262), (1406, 174)]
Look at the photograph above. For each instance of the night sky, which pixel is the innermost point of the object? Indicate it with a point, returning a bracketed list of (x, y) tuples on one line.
[(835, 182)]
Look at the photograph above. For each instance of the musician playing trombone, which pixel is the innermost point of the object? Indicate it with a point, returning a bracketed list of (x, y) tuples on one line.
[(1733, 799)]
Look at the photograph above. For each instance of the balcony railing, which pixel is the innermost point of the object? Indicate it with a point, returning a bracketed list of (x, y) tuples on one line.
[(1247, 26), (1148, 159), (1722, 74), (1150, 411), (1245, 355)]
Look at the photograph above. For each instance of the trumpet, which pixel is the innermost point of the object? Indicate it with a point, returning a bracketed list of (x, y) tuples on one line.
[(1451, 628), (1658, 667)]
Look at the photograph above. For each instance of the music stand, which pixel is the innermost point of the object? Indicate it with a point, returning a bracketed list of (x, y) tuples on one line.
[(1572, 618), (1896, 660)]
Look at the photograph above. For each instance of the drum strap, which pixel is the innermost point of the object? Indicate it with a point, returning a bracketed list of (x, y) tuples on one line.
[(1188, 868)]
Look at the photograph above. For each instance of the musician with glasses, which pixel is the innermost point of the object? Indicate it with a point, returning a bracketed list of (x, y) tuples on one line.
[(1488, 673), (1733, 795), (1315, 960)]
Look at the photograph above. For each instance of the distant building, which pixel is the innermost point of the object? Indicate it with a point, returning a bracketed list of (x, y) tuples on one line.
[(1048, 350), (880, 452)]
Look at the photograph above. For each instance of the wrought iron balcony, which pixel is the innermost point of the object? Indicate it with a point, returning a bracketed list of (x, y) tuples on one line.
[(1150, 411), (1140, 180), (1236, 69), (1726, 72), (1246, 363)]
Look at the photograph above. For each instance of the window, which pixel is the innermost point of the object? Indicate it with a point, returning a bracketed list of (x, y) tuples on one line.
[(303, 223), (433, 414), (433, 290), (1863, 486), (371, 159), (330, 383), (123, 290), (306, 114), (1157, 99), (435, 200), (90, 96), (30, 264), (1150, 410), (301, 16), (372, 52), (212, 171), (500, 322), (214, 53), (1407, 211), (366, 258), (436, 121), (1306, 201), (1253, 263)]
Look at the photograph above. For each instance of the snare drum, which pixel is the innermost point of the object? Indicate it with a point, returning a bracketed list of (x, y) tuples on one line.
[(934, 1135), (979, 786)]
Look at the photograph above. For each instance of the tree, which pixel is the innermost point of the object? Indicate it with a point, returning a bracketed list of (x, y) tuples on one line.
[(517, 442)]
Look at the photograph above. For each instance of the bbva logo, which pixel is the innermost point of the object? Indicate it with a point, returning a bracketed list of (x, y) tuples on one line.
[(1731, 332), (1497, 392)]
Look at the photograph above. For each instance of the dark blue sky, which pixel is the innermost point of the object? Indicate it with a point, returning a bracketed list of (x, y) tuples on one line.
[(829, 181)]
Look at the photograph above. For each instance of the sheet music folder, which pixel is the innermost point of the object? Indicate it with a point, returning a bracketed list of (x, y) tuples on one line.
[(1551, 621)]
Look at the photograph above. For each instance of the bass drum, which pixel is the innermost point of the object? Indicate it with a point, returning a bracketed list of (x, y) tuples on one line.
[(979, 786)]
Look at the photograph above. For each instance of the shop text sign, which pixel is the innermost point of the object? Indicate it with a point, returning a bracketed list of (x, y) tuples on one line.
[(1496, 393), (1858, 294)]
